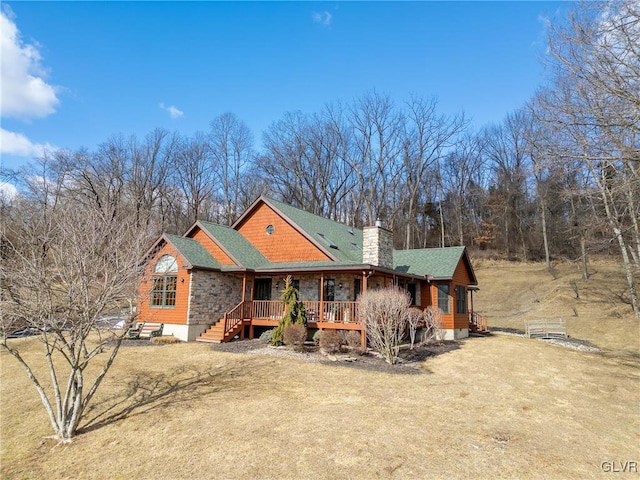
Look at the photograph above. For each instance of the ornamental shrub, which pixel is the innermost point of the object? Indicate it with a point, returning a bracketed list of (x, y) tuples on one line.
[(294, 335), (330, 341), (353, 339), (316, 337), (266, 336)]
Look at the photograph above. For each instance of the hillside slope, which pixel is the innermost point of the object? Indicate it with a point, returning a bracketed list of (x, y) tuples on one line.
[(596, 310)]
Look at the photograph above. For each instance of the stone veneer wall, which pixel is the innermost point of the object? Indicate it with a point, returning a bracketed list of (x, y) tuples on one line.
[(212, 294), (310, 286), (377, 247)]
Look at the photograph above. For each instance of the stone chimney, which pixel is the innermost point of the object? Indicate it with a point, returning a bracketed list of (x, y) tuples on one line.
[(377, 246)]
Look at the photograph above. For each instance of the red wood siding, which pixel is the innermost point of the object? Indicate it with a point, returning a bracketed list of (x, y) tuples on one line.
[(211, 247), (461, 276), (175, 315), (447, 318), (286, 244)]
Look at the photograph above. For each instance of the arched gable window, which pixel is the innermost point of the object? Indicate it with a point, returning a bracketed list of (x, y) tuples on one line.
[(166, 264), (164, 285)]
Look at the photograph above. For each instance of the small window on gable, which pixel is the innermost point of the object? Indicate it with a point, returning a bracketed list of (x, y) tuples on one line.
[(166, 264)]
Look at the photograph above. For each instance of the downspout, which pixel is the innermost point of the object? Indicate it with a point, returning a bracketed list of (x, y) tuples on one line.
[(188, 319)]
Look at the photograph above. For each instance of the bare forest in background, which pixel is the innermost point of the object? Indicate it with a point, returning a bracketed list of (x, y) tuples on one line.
[(557, 179)]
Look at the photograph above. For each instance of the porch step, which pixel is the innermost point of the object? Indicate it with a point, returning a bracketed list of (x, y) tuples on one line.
[(214, 334), (202, 339)]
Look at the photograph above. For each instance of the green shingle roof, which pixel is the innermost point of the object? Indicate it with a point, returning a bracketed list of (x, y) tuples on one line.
[(236, 245), (436, 262), (340, 240), (337, 238), (192, 251)]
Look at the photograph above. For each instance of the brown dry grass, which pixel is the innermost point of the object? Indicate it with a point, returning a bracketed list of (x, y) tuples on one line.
[(498, 407), (594, 310), (165, 340)]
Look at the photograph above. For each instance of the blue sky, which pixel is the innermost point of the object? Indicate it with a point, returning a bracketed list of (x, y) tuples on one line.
[(75, 73)]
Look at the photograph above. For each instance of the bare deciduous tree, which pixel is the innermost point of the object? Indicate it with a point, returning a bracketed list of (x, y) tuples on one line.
[(462, 178), (65, 264), (414, 319), (594, 101), (427, 136), (193, 174), (504, 146), (231, 146), (377, 125), (432, 317)]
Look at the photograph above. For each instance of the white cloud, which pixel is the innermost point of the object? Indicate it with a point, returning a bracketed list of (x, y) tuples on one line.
[(173, 111), (323, 18), (24, 91), (12, 143), (7, 192)]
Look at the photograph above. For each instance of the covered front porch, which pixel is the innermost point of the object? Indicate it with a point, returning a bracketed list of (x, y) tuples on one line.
[(329, 298)]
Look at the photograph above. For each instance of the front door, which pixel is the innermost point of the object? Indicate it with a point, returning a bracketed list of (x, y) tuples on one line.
[(411, 288), (262, 289)]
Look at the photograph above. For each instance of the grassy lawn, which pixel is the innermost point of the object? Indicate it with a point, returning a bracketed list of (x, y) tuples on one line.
[(597, 310), (498, 407)]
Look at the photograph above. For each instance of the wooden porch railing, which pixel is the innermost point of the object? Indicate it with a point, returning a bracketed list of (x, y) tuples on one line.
[(339, 312), (332, 312), (477, 322), (267, 309)]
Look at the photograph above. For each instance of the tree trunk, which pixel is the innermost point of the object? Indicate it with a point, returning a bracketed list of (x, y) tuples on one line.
[(583, 258), (543, 216), (617, 232), (441, 223)]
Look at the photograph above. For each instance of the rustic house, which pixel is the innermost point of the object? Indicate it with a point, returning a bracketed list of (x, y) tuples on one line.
[(217, 282)]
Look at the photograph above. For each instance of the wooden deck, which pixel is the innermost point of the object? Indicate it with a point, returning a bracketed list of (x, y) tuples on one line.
[(341, 315)]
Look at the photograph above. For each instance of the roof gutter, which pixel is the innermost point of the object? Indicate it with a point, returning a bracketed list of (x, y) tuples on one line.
[(326, 268)]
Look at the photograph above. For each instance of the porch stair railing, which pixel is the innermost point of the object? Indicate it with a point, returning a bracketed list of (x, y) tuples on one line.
[(227, 327), (477, 323)]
